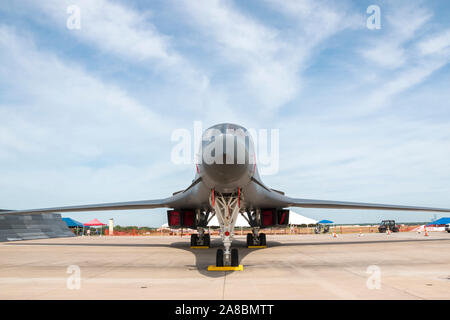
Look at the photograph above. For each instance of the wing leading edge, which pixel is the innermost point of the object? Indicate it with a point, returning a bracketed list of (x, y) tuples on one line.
[(131, 205), (178, 199), (326, 204)]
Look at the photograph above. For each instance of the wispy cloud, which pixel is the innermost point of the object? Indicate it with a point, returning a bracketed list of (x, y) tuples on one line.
[(60, 114), (269, 60), (401, 23), (402, 56)]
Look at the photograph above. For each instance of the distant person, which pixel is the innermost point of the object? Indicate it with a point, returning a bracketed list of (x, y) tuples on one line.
[(88, 232)]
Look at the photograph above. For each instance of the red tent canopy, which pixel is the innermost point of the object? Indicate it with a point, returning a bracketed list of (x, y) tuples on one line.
[(94, 222)]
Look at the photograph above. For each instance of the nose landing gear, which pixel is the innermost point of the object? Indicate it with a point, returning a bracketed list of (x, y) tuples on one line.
[(234, 258), (226, 208), (220, 262)]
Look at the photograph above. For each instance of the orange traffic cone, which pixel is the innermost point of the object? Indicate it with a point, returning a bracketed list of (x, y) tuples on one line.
[(334, 233), (426, 232), (388, 232), (360, 232)]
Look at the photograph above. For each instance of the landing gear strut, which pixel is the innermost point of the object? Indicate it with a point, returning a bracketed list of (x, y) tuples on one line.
[(226, 208)]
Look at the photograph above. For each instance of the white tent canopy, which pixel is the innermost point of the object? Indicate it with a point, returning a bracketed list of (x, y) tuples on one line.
[(297, 219), (240, 222), (294, 218)]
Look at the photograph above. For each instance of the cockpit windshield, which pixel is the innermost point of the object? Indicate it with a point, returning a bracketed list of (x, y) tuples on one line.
[(230, 139)]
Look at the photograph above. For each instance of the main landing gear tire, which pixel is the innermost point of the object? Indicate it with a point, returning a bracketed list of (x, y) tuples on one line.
[(234, 258), (249, 239), (262, 239), (207, 240), (194, 240), (219, 258)]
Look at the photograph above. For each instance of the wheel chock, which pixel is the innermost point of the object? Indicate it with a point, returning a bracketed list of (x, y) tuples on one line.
[(226, 268), (257, 247), (199, 247)]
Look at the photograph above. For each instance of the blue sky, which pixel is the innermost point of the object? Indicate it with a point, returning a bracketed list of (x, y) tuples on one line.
[(86, 115)]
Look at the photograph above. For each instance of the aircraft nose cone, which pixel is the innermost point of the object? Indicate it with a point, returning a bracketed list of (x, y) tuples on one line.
[(225, 173), (226, 159)]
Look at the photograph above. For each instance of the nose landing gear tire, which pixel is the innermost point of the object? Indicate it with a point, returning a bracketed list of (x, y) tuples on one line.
[(234, 258), (219, 258)]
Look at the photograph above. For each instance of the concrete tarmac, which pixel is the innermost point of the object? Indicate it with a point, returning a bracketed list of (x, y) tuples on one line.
[(374, 266)]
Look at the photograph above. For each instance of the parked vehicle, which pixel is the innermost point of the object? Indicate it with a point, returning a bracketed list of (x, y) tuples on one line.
[(388, 223), (447, 227), (322, 228)]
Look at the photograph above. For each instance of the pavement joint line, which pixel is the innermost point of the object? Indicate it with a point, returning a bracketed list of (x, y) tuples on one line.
[(224, 284)]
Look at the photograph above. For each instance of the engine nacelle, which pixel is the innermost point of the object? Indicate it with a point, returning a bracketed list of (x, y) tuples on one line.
[(181, 218), (274, 218)]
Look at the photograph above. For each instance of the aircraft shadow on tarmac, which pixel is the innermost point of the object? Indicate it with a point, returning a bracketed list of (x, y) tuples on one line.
[(206, 257)]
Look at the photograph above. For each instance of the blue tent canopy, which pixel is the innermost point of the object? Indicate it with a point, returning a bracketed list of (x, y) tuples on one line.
[(325, 221), (440, 221), (72, 223)]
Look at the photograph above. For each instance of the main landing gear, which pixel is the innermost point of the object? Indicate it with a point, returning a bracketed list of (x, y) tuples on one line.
[(201, 239), (255, 239)]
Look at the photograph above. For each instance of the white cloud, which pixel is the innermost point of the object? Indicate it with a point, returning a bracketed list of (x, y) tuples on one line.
[(402, 23), (269, 60), (316, 20), (401, 56), (437, 44), (64, 131), (386, 54), (117, 30), (114, 29), (254, 47)]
